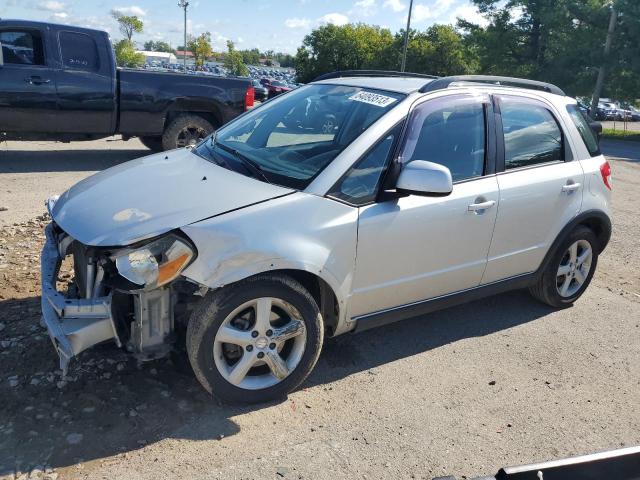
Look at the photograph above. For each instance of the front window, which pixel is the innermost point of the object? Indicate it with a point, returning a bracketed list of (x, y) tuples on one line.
[(291, 140)]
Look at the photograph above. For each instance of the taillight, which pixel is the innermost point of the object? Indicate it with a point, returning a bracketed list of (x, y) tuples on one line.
[(249, 97), (605, 171)]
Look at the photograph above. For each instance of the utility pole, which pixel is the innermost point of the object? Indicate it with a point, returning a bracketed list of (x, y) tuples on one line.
[(406, 38), (603, 67), (184, 4)]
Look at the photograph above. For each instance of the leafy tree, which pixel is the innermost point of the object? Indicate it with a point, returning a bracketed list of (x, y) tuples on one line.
[(129, 24), (331, 47), (201, 48), (126, 55), (251, 57), (233, 61), (160, 46)]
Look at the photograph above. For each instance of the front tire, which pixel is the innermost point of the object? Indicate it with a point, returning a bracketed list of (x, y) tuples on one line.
[(570, 270), (256, 340), (184, 131)]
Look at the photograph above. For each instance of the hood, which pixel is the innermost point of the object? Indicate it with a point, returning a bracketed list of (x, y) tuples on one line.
[(146, 197)]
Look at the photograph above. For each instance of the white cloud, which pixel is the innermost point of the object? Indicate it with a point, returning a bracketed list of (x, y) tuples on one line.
[(469, 13), (334, 18), (395, 5), (365, 8), (132, 10), (60, 16), (297, 23), (421, 12), (52, 6)]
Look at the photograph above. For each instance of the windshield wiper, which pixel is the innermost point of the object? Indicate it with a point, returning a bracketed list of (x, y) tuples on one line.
[(246, 161)]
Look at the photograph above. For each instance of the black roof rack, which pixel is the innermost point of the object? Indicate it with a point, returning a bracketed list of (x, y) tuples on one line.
[(370, 73), (444, 82)]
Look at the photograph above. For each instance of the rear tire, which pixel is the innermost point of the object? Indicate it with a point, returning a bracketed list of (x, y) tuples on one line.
[(226, 330), (184, 131), (152, 143), (570, 270)]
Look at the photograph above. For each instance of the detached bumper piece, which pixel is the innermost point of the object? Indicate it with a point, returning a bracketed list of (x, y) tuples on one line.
[(73, 324), (621, 464)]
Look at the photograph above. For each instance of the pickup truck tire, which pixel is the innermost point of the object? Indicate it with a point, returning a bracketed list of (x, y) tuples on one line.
[(185, 130), (232, 311), (570, 270), (152, 143)]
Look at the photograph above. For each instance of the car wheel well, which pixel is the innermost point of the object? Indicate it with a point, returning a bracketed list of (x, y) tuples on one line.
[(598, 227), (321, 292), (210, 117)]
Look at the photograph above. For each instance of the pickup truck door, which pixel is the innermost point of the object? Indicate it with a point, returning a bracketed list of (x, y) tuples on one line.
[(27, 82), (86, 84)]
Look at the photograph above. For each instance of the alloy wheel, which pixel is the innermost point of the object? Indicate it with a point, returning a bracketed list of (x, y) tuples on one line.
[(574, 268), (190, 136), (260, 343)]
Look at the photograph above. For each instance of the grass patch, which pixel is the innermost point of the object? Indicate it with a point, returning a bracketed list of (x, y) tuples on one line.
[(621, 135)]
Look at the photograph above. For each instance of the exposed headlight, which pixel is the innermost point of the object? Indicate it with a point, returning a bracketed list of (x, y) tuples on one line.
[(157, 263)]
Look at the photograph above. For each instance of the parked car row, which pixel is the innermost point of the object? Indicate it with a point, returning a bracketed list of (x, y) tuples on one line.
[(612, 110)]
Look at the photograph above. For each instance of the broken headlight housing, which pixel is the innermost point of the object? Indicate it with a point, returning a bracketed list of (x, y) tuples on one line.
[(156, 263)]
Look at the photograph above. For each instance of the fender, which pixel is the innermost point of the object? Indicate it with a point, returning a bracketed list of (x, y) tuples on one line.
[(597, 220)]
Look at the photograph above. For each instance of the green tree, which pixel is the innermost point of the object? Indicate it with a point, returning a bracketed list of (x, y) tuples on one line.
[(251, 57), (201, 48), (128, 24), (159, 46), (331, 47), (126, 55), (560, 41), (233, 61)]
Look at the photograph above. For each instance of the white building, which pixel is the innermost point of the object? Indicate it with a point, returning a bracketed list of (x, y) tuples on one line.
[(158, 57)]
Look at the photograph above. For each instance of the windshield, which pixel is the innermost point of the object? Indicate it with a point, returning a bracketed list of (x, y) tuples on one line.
[(278, 84), (289, 141)]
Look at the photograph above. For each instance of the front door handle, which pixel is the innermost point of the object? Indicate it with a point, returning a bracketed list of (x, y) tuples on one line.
[(570, 187), (36, 80), (475, 207)]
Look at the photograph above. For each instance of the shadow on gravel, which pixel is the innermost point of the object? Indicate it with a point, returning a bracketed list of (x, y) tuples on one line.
[(109, 405), (32, 161)]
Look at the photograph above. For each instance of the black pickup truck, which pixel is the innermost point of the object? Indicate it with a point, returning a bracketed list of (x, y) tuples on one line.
[(61, 83)]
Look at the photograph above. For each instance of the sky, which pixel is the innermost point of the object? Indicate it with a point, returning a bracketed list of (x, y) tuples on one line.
[(278, 25)]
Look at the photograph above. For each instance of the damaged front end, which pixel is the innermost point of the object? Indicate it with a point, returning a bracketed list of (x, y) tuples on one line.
[(133, 296)]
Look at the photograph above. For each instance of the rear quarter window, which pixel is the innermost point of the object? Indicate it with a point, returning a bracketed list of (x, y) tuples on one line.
[(585, 131), (79, 52)]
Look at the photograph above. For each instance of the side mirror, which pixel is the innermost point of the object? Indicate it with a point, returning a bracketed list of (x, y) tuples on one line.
[(1, 56), (420, 177)]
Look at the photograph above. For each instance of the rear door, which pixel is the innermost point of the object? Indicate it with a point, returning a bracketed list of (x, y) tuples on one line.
[(27, 82), (540, 182), (86, 84)]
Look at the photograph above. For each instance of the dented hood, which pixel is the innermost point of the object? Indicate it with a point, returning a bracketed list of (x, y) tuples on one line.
[(152, 195)]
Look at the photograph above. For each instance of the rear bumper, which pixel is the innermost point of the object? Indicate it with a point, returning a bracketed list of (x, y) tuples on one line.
[(74, 324)]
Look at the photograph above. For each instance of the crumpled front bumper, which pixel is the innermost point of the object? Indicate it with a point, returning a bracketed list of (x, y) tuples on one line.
[(74, 324)]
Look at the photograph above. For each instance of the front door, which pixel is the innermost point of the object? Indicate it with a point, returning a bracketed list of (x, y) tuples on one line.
[(417, 247), (28, 101)]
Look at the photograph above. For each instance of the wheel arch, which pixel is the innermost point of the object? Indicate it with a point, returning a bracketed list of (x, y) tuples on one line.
[(596, 220), (210, 111)]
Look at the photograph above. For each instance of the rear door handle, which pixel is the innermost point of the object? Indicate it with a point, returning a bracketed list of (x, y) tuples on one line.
[(474, 207), (36, 80), (570, 187)]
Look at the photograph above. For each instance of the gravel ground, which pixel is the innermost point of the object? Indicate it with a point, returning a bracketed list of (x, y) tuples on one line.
[(464, 391)]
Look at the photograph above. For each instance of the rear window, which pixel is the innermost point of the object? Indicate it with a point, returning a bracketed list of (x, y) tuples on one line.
[(79, 52), (587, 134)]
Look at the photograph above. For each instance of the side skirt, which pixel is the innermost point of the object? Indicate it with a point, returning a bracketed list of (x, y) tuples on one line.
[(403, 312)]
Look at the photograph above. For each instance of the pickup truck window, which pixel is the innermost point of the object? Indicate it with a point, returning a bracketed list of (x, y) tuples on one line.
[(79, 52), (22, 47)]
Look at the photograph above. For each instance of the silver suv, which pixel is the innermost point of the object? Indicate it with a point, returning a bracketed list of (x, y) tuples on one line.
[(270, 235)]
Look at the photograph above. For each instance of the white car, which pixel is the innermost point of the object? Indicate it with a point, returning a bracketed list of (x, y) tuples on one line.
[(263, 240)]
